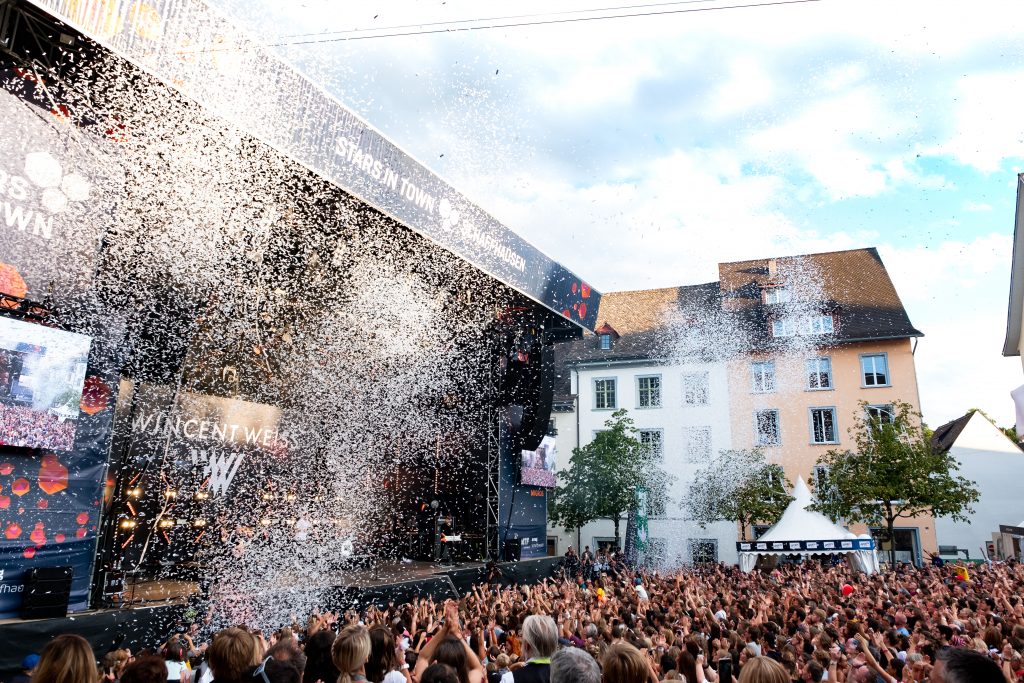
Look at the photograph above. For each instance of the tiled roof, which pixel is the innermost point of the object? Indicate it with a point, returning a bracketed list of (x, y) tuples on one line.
[(644, 319), (945, 436), (854, 284)]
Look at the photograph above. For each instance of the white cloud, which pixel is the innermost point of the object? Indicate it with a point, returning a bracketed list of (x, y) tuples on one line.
[(977, 206), (956, 294), (988, 124)]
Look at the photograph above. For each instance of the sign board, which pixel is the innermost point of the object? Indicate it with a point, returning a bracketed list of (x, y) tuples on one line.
[(1012, 530), (195, 50), (824, 546)]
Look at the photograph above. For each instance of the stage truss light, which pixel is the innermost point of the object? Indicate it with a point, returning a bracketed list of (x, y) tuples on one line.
[(127, 523), (202, 495), (135, 492), (171, 493), (166, 523)]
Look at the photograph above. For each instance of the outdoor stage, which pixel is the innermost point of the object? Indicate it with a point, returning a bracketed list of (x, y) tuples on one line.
[(158, 607)]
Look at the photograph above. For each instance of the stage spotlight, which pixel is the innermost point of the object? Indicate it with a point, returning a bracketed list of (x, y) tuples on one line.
[(265, 521), (434, 504), (171, 493), (202, 495), (268, 496), (290, 496), (166, 523), (128, 524), (198, 522), (135, 492)]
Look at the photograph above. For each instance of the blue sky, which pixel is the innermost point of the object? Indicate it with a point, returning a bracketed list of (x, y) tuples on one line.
[(641, 152)]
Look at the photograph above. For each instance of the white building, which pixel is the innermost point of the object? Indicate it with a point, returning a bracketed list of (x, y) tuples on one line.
[(989, 458), (677, 397)]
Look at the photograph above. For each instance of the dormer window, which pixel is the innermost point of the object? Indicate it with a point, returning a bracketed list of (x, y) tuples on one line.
[(606, 336), (777, 295)]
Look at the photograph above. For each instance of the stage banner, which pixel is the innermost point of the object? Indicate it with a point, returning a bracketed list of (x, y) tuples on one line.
[(197, 51), (59, 185), (50, 503), (837, 546)]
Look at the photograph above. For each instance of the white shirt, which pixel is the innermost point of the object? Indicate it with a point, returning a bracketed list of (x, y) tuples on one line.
[(394, 677)]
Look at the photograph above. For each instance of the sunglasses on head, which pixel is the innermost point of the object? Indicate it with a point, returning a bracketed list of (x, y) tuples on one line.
[(261, 670)]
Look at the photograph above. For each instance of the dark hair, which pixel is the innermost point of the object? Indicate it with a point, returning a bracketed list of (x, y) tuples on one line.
[(439, 673), (815, 670), (383, 658), (687, 666), (148, 669), (278, 671), (319, 665), (450, 651), (968, 666)]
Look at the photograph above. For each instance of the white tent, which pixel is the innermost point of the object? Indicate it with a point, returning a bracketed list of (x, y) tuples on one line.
[(806, 532)]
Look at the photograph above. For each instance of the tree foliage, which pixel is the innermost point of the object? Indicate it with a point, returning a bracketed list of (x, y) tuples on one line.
[(739, 486), (892, 472), (605, 477)]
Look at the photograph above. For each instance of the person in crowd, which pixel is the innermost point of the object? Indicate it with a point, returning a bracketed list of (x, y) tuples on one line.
[(233, 655), (319, 664), (573, 665), (623, 663), (174, 654), (540, 638), (67, 658), (28, 667), (148, 669), (439, 673), (113, 664), (385, 665), (763, 670), (350, 651), (966, 666), (449, 646)]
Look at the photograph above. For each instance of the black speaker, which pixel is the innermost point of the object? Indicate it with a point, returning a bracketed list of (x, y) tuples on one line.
[(47, 592), (513, 550), (537, 414)]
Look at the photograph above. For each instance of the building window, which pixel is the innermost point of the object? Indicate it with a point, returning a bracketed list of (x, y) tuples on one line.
[(819, 478), (704, 550), (767, 428), (606, 342), (874, 370), (695, 389), (823, 425), (819, 373), (653, 439), (777, 295), (763, 376), (805, 326), (881, 414), (604, 394), (648, 392), (698, 444)]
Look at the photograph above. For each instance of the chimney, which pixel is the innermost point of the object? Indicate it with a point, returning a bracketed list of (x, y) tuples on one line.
[(773, 268)]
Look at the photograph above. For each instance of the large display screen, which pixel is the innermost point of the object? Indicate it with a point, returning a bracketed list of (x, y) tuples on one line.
[(42, 371), (538, 467)]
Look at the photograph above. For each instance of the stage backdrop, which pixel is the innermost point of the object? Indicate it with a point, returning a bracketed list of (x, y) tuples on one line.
[(50, 503)]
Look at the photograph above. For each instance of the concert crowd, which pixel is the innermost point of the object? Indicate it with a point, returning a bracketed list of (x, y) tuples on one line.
[(798, 623)]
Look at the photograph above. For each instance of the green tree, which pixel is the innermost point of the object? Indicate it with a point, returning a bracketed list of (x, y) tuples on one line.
[(893, 472), (739, 486), (605, 478)]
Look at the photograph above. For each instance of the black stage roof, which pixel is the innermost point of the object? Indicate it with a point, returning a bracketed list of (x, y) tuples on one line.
[(197, 51)]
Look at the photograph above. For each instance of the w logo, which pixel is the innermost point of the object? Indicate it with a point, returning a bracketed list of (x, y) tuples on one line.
[(221, 470)]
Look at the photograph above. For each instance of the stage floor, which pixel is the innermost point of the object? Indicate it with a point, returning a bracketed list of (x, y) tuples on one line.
[(164, 591)]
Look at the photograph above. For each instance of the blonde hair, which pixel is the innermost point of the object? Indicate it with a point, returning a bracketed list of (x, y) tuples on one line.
[(350, 651), (623, 663), (232, 652), (763, 670), (67, 659)]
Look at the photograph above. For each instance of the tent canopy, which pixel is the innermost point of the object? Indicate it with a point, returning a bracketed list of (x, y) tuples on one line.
[(808, 532)]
